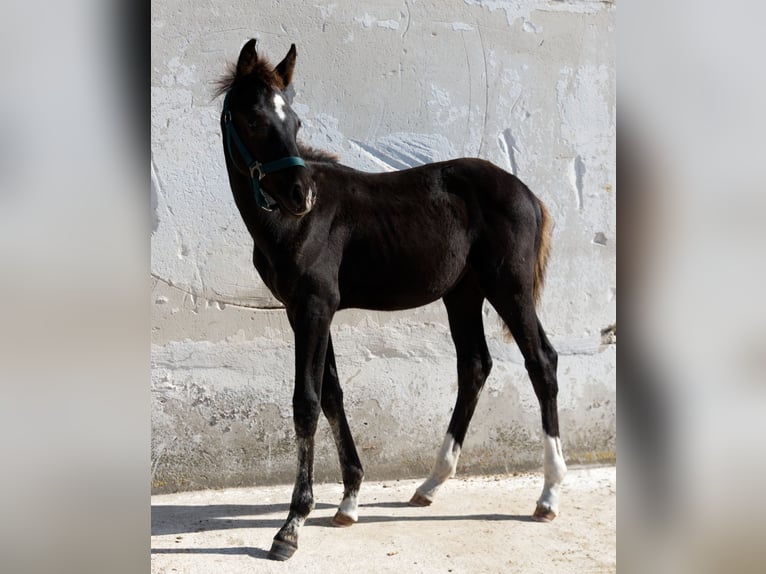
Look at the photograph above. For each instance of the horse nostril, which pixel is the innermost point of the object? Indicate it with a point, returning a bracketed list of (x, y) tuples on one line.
[(297, 193)]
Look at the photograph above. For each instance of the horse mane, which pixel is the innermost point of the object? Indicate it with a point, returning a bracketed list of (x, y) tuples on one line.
[(262, 69), (265, 72), (226, 81), (311, 153)]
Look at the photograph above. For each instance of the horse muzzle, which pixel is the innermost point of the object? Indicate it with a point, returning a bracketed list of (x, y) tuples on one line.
[(301, 202)]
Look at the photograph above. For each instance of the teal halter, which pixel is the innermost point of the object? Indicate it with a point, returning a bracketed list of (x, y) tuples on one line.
[(256, 169)]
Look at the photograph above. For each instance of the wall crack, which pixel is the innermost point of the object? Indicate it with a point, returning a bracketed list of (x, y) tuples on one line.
[(225, 301)]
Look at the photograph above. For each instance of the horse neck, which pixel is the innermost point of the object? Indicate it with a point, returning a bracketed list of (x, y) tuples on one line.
[(269, 230)]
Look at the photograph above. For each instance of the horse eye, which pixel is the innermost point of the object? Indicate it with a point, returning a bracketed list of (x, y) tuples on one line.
[(258, 126)]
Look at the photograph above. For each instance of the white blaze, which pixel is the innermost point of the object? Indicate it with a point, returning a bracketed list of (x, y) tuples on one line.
[(279, 105)]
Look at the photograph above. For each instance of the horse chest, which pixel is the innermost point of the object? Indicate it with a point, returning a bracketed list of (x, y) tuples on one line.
[(268, 274)]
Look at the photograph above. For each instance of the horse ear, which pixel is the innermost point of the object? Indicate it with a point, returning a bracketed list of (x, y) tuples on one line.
[(247, 59), (286, 66)]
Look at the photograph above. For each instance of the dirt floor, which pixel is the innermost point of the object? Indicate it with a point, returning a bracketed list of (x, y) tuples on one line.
[(476, 524)]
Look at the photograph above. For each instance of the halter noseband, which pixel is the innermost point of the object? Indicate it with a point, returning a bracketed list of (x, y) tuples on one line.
[(256, 169)]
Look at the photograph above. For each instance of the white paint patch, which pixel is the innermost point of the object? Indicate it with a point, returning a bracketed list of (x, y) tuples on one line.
[(326, 11), (404, 150), (444, 468), (461, 27), (586, 107), (513, 10), (507, 144), (369, 21), (443, 111), (528, 26), (555, 469), (279, 105), (390, 24), (180, 74)]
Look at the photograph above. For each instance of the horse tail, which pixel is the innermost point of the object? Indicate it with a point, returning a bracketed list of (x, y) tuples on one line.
[(545, 226)]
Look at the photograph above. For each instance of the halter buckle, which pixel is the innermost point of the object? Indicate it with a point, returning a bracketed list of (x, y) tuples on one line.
[(256, 168)]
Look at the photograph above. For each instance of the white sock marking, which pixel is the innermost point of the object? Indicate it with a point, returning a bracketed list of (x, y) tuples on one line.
[(555, 470), (279, 105), (348, 506), (444, 467)]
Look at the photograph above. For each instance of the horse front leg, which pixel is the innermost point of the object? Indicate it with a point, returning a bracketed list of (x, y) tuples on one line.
[(351, 467), (311, 324)]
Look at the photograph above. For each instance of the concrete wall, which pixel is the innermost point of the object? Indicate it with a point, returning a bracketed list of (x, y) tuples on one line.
[(385, 84)]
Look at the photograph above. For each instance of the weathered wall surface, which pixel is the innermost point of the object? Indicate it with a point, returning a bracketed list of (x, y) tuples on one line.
[(385, 84)]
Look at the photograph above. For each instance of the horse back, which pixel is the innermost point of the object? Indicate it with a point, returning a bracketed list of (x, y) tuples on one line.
[(406, 237)]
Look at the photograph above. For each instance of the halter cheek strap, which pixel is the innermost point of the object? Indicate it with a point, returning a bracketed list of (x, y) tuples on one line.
[(256, 169)]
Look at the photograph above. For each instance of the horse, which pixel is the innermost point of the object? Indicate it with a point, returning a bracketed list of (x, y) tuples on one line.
[(328, 237)]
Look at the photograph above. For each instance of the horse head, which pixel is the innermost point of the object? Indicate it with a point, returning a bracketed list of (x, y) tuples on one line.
[(260, 130)]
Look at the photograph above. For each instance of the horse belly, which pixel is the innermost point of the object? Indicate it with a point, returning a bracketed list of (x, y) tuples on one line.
[(402, 281)]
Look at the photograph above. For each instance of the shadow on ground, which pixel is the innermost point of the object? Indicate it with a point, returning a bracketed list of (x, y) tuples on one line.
[(179, 519)]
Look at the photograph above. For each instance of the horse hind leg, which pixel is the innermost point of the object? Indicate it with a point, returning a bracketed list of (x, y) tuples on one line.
[(554, 466), (517, 309), (473, 366)]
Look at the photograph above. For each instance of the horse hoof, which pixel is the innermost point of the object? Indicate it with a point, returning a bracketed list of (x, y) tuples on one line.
[(281, 550), (342, 520), (419, 500), (543, 514)]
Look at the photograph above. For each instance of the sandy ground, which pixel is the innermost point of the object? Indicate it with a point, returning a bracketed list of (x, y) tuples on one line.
[(476, 524)]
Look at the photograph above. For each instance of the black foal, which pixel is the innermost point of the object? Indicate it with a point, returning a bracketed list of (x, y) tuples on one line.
[(327, 237)]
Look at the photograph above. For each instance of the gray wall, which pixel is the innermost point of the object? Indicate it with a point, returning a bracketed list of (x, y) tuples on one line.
[(385, 84)]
